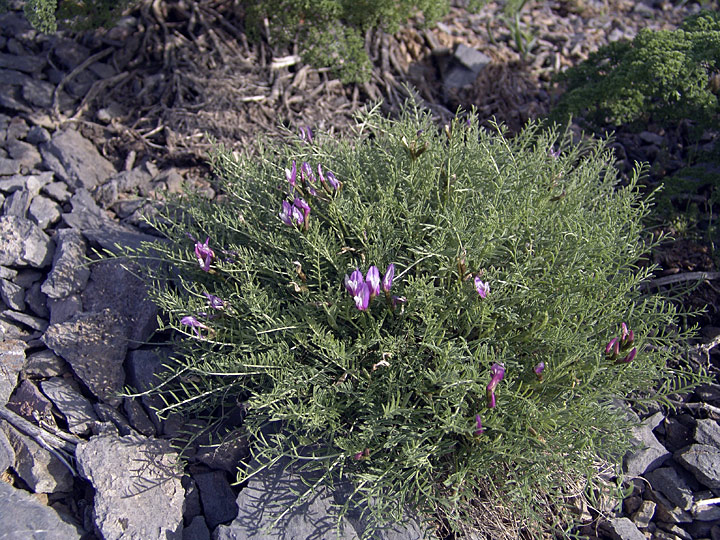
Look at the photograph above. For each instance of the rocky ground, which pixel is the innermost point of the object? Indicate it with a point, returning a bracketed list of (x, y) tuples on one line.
[(95, 126)]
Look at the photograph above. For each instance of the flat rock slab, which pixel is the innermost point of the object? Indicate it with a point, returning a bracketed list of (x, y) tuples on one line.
[(703, 461), (94, 344), (77, 410), (138, 495), (31, 520), (76, 160), (12, 358), (23, 243), (650, 453), (273, 491), (69, 273)]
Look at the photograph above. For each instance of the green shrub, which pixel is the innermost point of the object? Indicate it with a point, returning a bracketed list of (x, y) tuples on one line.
[(661, 75), (507, 254), (331, 33), (44, 15)]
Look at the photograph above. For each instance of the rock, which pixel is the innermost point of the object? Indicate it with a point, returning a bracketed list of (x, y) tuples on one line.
[(26, 277), (94, 344), (37, 301), (643, 516), (41, 470), (13, 295), (197, 530), (32, 520), (26, 64), (35, 323), (76, 409), (7, 454), (39, 93), (218, 499), (69, 53), (38, 134), (677, 434), (621, 529), (703, 461), (138, 492), (669, 483), (192, 498), (76, 160), (90, 220), (22, 243), (58, 191), (12, 357), (707, 432), (17, 204), (675, 530), (227, 455), (28, 402), (667, 511), (64, 309), (26, 153), (471, 58), (705, 512), (106, 413), (113, 287), (69, 273), (9, 166), (138, 418), (44, 364), (651, 454), (44, 211)]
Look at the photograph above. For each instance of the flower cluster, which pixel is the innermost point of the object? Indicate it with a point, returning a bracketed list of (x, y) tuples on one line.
[(215, 303), (297, 213), (365, 288), (620, 345)]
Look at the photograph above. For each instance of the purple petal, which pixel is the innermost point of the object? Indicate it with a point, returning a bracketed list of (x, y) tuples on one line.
[(301, 204), (291, 174), (388, 278), (215, 302), (373, 280), (334, 183), (481, 287), (362, 297), (286, 213), (539, 369), (611, 345), (478, 425), (630, 357)]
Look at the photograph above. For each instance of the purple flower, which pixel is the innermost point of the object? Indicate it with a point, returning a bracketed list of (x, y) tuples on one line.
[(307, 177), (612, 346), (481, 287), (498, 372), (306, 134), (395, 301), (288, 213), (215, 302), (362, 296), (194, 324), (334, 182), (204, 254), (354, 281), (539, 370), (478, 425), (302, 205), (627, 338), (629, 358), (554, 153), (388, 278), (291, 175), (373, 280)]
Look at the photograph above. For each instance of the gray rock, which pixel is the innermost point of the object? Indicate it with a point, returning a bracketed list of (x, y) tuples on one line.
[(26, 277), (76, 160), (17, 128), (13, 77), (37, 301), (44, 364), (28, 402), (38, 93), (32, 183), (643, 516), (226, 455), (621, 529), (106, 413), (22, 243), (69, 273), (17, 204), (76, 409), (138, 418), (138, 492), (667, 511), (64, 309), (9, 166), (37, 135), (32, 520), (94, 344), (7, 454), (36, 323), (703, 461), (113, 287), (197, 530), (12, 358), (26, 64), (13, 295), (650, 454), (669, 483), (217, 497), (89, 219), (707, 431), (471, 58), (10, 329), (26, 153), (44, 211), (70, 53), (705, 512), (192, 498), (7, 273), (41, 470), (57, 191), (675, 530)]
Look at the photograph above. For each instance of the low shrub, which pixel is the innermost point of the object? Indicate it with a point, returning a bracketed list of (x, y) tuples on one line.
[(664, 76), (432, 315)]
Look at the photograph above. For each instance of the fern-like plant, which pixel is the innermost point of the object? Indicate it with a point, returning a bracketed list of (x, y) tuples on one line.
[(431, 314)]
